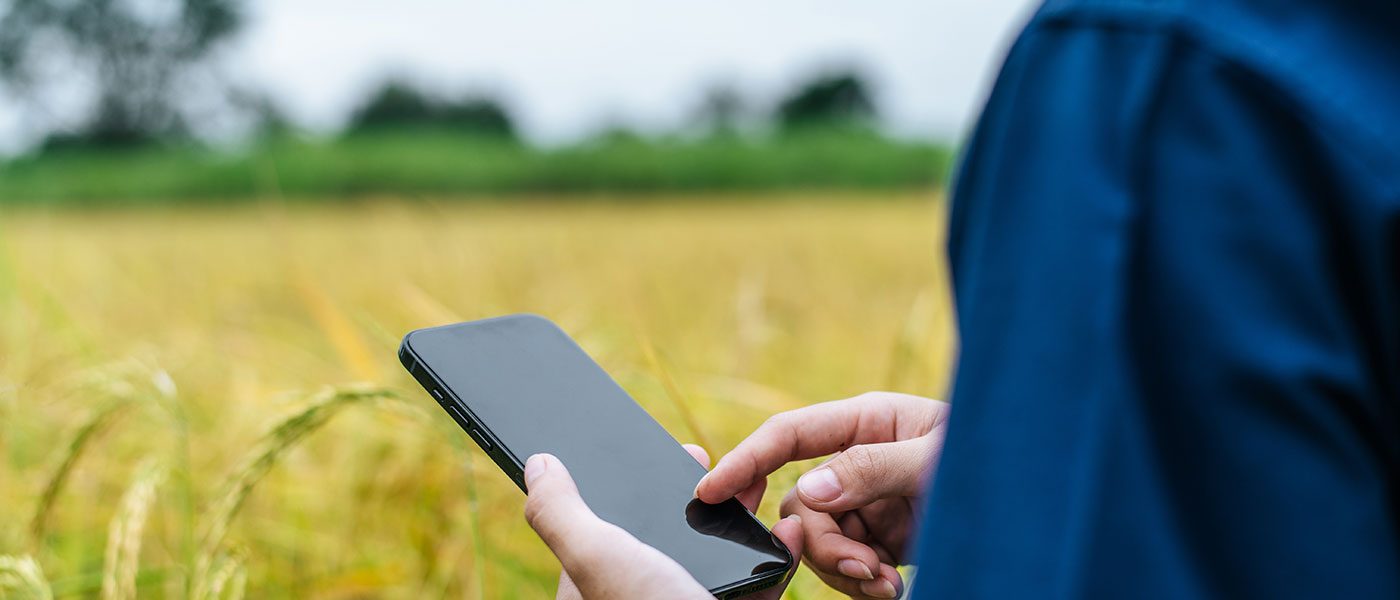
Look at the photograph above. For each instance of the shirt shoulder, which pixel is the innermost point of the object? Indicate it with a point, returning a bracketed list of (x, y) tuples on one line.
[(1335, 62)]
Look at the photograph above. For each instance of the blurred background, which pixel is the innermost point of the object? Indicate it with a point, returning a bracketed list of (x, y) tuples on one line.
[(218, 217)]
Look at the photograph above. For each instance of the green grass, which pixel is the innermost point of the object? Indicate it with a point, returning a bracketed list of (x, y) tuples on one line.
[(442, 163)]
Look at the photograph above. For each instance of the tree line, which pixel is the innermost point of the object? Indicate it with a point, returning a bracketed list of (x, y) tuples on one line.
[(144, 69)]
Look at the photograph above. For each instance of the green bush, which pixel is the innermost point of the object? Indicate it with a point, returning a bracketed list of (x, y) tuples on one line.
[(445, 162)]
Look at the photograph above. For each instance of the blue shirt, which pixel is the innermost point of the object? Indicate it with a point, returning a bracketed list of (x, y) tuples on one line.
[(1176, 253)]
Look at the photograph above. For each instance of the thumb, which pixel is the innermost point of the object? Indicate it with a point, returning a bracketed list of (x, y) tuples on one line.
[(866, 473), (602, 560), (556, 512)]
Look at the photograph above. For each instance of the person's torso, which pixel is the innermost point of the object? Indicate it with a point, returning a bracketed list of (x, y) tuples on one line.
[(1175, 244)]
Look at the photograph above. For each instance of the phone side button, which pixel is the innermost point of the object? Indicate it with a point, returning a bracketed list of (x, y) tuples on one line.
[(481, 440), (459, 416)]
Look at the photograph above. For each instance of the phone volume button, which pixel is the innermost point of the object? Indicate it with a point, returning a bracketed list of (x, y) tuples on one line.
[(461, 417), (481, 439)]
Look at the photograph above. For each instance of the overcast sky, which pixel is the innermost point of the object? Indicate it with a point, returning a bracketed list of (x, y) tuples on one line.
[(568, 66)]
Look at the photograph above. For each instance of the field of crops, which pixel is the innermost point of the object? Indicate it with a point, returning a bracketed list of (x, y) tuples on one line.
[(206, 403)]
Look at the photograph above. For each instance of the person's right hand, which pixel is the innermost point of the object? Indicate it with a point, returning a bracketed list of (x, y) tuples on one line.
[(857, 508)]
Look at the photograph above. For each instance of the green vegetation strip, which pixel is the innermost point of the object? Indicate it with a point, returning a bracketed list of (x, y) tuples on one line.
[(445, 162)]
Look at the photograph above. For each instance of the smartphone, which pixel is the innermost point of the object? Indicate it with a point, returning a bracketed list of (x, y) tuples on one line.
[(518, 385)]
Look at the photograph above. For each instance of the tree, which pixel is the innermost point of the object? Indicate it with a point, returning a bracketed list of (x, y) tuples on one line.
[(132, 59), (399, 105), (395, 104), (481, 116), (833, 99), (722, 110)]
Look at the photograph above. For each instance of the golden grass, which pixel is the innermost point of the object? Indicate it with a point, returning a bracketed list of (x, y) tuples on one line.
[(21, 578), (124, 535), (195, 336)]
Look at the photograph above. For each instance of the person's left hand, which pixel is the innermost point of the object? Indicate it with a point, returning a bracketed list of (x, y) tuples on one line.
[(601, 560)]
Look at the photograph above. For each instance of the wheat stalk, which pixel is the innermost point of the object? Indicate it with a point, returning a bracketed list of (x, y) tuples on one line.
[(673, 391), (124, 533), (177, 467), (90, 430), (320, 408), (751, 318), (22, 579), (230, 575), (474, 521), (908, 347), (338, 327), (424, 305), (239, 585)]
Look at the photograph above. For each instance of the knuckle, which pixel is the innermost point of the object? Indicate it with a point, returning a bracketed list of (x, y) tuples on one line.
[(873, 396), (864, 464), (777, 421)]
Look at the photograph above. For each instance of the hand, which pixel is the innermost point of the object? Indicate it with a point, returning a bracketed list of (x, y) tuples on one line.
[(601, 560), (857, 509)]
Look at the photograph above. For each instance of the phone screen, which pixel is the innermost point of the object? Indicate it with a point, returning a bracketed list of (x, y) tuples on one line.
[(532, 389)]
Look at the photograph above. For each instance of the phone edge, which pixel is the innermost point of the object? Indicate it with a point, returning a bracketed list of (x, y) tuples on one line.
[(505, 459), (754, 584), (515, 469)]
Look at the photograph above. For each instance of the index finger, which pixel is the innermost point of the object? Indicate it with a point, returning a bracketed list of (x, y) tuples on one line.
[(807, 432)]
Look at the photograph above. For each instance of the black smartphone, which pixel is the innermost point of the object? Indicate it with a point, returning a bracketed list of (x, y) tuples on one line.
[(518, 385)]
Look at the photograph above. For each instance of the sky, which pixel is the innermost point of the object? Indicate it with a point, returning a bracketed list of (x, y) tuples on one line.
[(567, 68)]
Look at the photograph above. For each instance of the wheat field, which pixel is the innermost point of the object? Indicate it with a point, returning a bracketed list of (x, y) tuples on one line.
[(206, 402)]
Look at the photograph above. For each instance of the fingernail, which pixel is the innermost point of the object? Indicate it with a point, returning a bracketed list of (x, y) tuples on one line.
[(853, 568), (534, 467), (820, 485), (879, 588), (794, 519)]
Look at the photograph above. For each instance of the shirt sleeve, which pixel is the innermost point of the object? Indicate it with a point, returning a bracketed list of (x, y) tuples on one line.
[(1177, 300)]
